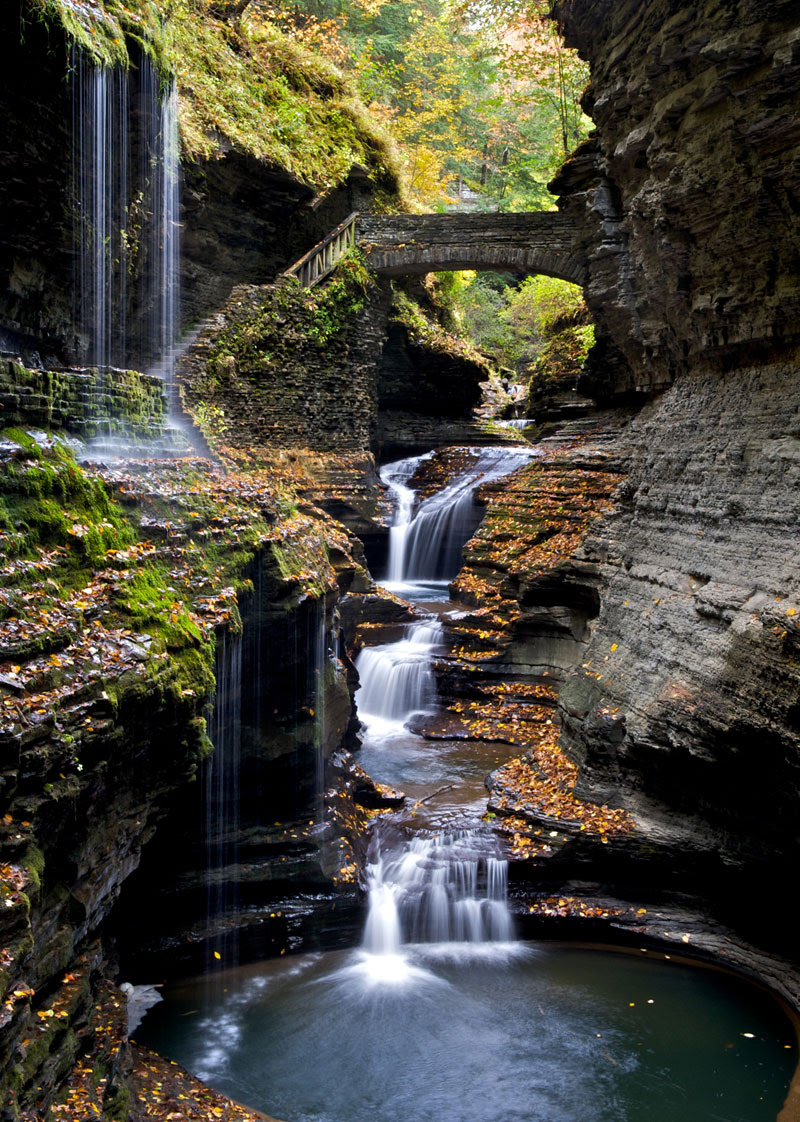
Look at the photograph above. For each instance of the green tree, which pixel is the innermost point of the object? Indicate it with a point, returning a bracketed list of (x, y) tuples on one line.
[(494, 103)]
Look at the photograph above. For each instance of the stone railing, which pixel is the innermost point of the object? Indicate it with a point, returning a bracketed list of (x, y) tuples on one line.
[(315, 265), (409, 244)]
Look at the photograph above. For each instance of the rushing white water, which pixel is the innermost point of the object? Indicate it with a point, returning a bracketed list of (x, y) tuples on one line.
[(126, 188), (397, 678), (436, 897), (426, 541), (396, 477)]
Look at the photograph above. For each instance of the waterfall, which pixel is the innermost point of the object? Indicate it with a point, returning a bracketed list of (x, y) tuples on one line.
[(221, 800), (426, 541), (397, 678), (101, 185), (165, 232), (396, 476), (443, 894), (126, 192)]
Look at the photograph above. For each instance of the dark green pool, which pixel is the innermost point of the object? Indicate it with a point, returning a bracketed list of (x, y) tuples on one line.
[(493, 1033)]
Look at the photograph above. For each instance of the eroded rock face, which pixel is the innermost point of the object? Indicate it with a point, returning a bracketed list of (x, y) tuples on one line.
[(426, 396), (689, 189), (695, 649), (687, 705)]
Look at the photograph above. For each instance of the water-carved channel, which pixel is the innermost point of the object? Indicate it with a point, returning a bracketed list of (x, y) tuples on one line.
[(441, 1012)]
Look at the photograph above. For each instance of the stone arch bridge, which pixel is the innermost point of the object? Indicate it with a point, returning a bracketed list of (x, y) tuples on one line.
[(526, 242)]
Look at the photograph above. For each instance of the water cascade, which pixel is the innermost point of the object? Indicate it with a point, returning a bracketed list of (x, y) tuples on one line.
[(101, 187), (446, 889), (221, 797), (126, 188), (165, 232), (426, 540), (397, 678)]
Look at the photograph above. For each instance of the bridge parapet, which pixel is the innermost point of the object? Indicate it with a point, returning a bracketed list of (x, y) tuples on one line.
[(526, 242)]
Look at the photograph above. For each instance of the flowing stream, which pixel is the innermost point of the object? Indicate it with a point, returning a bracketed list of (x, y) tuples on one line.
[(425, 553), (397, 678), (426, 538), (440, 1014)]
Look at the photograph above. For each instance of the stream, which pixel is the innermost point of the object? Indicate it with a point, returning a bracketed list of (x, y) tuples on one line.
[(441, 1014)]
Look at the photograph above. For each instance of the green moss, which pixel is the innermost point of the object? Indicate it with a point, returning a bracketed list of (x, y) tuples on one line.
[(248, 82), (289, 315), (270, 97), (560, 361), (337, 303), (149, 604), (428, 333), (32, 862), (102, 28), (47, 501)]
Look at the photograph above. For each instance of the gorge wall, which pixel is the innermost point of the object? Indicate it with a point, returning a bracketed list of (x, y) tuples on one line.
[(686, 708)]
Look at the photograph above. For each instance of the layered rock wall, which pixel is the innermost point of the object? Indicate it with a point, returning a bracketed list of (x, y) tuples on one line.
[(688, 192), (82, 402), (686, 708), (276, 383)]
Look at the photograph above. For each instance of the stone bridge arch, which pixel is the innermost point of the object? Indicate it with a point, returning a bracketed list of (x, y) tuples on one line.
[(528, 242)]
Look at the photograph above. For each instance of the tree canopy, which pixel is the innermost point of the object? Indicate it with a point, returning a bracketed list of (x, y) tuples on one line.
[(484, 96)]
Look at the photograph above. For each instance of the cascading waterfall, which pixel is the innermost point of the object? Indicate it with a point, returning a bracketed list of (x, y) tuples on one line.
[(101, 187), (397, 678), (425, 543), (126, 186), (164, 274), (448, 888), (440, 896), (221, 800), (396, 476)]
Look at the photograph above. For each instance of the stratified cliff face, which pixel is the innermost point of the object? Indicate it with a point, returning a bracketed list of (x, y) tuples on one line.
[(692, 180), (687, 705)]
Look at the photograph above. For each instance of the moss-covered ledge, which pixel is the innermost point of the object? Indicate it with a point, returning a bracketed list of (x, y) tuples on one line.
[(84, 403), (113, 588)]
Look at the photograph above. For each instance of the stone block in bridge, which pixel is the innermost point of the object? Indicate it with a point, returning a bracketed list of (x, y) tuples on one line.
[(533, 242)]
